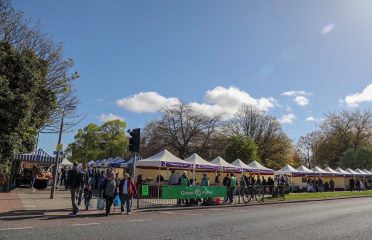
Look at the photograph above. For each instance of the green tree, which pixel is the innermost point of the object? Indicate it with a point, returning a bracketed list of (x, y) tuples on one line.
[(98, 142), (357, 158), (26, 102), (113, 134), (243, 148)]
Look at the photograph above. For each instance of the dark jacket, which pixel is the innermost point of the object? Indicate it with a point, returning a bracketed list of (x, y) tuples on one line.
[(103, 190), (74, 179), (226, 181), (132, 189)]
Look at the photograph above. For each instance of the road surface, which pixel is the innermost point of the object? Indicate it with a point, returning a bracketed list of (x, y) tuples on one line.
[(337, 219)]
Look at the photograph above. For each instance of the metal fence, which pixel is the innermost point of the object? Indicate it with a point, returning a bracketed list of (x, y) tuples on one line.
[(152, 196)]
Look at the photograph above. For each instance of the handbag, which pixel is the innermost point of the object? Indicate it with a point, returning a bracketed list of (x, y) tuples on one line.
[(117, 201), (101, 203)]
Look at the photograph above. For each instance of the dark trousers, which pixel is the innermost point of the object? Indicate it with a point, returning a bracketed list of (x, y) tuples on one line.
[(109, 201), (74, 192), (125, 200), (87, 202), (231, 194), (80, 196)]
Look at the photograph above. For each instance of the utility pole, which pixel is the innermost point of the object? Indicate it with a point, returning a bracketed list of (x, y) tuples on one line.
[(55, 172)]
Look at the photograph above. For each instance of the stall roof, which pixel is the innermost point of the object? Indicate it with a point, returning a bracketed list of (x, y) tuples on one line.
[(240, 164), (66, 162), (318, 170), (259, 167), (39, 156), (225, 165), (288, 169), (361, 172), (117, 162), (342, 171), (349, 170), (330, 170), (164, 159), (365, 170), (199, 163), (304, 169)]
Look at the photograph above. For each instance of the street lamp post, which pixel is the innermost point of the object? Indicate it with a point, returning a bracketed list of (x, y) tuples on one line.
[(55, 172)]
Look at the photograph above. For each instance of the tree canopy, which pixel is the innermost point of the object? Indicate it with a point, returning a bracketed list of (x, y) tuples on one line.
[(243, 148), (99, 142)]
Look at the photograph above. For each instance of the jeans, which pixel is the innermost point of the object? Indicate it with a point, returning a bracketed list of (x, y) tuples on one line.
[(33, 181), (109, 201), (80, 195), (74, 192), (87, 203), (125, 200)]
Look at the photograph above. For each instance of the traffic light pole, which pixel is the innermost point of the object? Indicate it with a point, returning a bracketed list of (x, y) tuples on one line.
[(134, 167)]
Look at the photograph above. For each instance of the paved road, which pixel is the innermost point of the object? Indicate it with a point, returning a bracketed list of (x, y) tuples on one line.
[(339, 219)]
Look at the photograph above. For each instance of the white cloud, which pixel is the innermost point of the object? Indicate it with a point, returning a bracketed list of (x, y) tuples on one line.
[(355, 99), (310, 119), (301, 100), (294, 93), (327, 28), (146, 102), (219, 100), (299, 96), (287, 119), (109, 117), (227, 101)]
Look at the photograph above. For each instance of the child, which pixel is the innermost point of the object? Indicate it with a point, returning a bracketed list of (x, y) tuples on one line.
[(87, 196)]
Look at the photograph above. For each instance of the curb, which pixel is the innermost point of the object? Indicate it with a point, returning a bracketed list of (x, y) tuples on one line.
[(159, 209)]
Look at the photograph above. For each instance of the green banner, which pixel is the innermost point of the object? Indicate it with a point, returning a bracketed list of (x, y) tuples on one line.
[(181, 192), (144, 190)]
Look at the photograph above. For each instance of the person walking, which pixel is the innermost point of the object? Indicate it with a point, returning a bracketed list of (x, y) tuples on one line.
[(232, 185), (73, 182), (332, 185), (351, 183), (226, 183), (127, 190), (109, 191), (183, 181), (87, 196)]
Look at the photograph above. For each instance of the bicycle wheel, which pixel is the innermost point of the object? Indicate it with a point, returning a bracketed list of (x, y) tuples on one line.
[(259, 194)]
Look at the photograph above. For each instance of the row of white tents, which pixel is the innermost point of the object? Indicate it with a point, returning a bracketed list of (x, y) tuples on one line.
[(166, 160)]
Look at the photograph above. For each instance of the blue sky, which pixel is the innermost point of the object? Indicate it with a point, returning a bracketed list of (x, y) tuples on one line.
[(294, 59)]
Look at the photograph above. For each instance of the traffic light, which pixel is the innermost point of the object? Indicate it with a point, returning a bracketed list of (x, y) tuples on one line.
[(134, 141)]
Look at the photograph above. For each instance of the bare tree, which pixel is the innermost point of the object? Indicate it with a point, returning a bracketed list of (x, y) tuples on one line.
[(274, 145), (182, 129)]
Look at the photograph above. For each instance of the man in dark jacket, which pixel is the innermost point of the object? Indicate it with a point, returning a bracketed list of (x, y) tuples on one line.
[(226, 183), (127, 190), (73, 183)]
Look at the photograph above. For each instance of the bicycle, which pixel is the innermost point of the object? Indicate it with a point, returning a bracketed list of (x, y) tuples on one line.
[(252, 192)]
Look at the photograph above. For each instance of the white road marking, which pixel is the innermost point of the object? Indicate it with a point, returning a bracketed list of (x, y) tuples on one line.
[(85, 224), (192, 214), (167, 212), (8, 229), (140, 220), (21, 216)]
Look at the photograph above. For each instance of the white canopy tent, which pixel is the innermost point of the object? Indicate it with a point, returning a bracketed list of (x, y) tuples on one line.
[(90, 163), (199, 163), (225, 166), (330, 170), (260, 168), (288, 169), (244, 167), (343, 172), (352, 172), (65, 162), (317, 170), (361, 172), (164, 159), (307, 171)]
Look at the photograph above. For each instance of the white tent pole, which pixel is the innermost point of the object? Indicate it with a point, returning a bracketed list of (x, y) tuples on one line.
[(159, 183)]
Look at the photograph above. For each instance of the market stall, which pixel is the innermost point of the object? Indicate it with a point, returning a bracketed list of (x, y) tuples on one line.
[(260, 169), (295, 177), (337, 178), (200, 166), (37, 165)]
